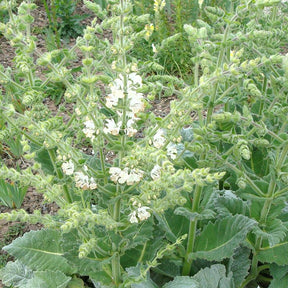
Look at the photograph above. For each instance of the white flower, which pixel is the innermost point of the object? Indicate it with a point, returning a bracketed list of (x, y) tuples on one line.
[(92, 184), (123, 176), (172, 151), (159, 139), (89, 129), (82, 181), (130, 131), (133, 218), (111, 127), (68, 167), (77, 111), (154, 49), (114, 96), (135, 104), (135, 79), (156, 172), (135, 176), (142, 213), (115, 173)]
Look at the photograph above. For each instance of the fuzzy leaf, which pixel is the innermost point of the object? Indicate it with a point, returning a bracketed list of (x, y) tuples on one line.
[(275, 231), (40, 250), (168, 268), (16, 274), (239, 265), (182, 282), (134, 275), (229, 204), (218, 240), (280, 276), (173, 225), (145, 284), (48, 279), (86, 265), (205, 214), (146, 252), (100, 278), (214, 277), (42, 157), (187, 134), (276, 254)]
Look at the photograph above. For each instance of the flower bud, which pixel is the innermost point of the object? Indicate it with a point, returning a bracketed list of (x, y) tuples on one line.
[(241, 183)]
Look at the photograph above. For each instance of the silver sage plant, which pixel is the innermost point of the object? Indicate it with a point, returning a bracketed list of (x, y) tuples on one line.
[(193, 199)]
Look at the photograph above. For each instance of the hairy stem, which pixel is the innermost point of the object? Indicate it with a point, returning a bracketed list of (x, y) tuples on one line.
[(192, 232), (59, 173)]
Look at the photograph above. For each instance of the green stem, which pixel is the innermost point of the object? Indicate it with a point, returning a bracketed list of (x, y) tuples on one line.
[(192, 232), (264, 214), (255, 188), (54, 23), (102, 160), (59, 173), (264, 88), (219, 65)]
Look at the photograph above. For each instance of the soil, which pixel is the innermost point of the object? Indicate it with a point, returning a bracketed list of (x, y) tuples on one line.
[(33, 200)]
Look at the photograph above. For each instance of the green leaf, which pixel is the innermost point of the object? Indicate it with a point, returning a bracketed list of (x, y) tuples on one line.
[(276, 254), (100, 278), (40, 250), (218, 240), (205, 214), (145, 284), (16, 274), (173, 225), (229, 203), (183, 282), (146, 252), (42, 157), (76, 283), (280, 276), (259, 162), (214, 277), (189, 159), (239, 265), (187, 134), (12, 195), (87, 265), (275, 231), (134, 277), (48, 279), (168, 268)]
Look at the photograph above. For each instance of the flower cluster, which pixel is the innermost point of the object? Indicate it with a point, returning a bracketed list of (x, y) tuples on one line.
[(68, 167), (159, 5), (81, 180), (125, 176), (111, 127), (156, 172), (159, 139), (135, 104), (89, 129), (117, 92), (172, 151), (139, 215), (149, 28), (84, 182)]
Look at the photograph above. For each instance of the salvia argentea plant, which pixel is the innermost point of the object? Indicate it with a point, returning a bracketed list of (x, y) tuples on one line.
[(193, 199)]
